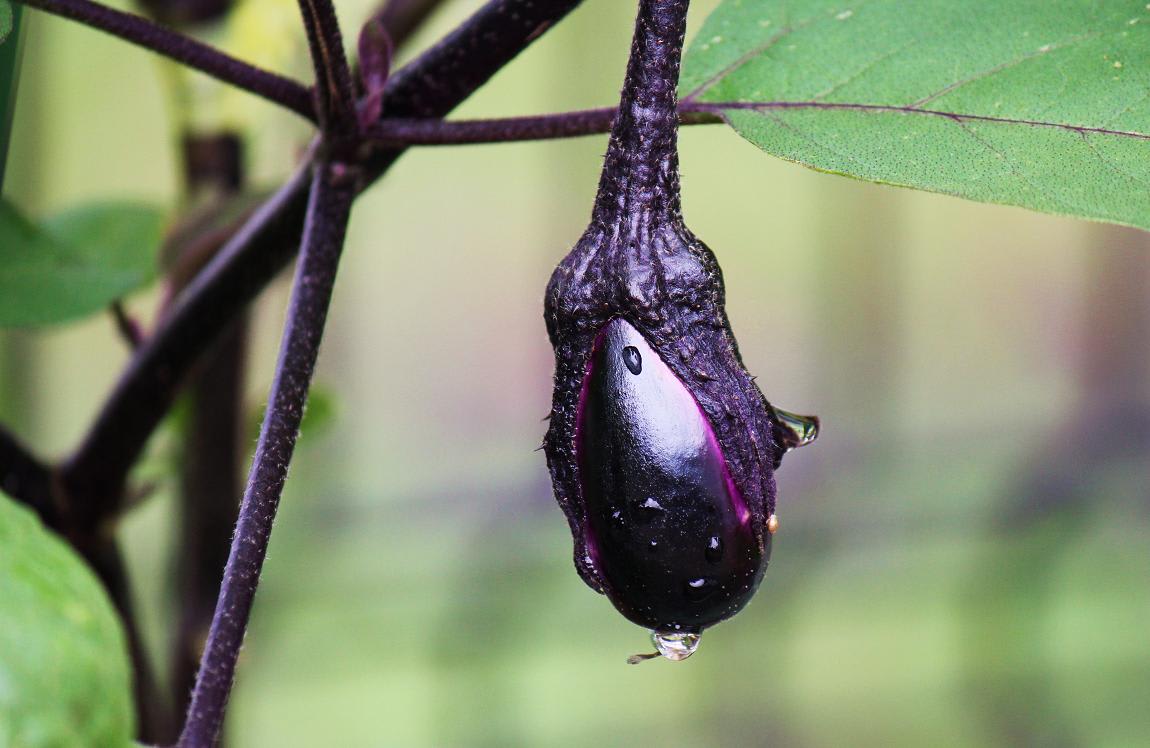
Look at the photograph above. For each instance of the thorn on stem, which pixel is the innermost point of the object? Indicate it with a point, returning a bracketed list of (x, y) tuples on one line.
[(130, 330)]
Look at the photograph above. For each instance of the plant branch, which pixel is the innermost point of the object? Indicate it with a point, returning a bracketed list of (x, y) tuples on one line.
[(214, 444), (453, 68), (27, 480), (324, 230), (398, 133), (102, 553), (93, 477), (334, 93), (271, 86)]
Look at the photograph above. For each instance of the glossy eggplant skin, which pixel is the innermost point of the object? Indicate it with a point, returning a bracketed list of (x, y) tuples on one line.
[(659, 290), (667, 529)]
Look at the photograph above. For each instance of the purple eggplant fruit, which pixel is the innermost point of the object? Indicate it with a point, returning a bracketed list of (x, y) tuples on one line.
[(661, 448)]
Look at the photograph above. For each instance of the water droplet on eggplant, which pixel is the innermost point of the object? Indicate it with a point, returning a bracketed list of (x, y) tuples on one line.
[(794, 430), (675, 646), (633, 359), (714, 550)]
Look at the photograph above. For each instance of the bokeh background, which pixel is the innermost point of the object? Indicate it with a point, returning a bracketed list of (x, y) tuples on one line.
[(964, 556)]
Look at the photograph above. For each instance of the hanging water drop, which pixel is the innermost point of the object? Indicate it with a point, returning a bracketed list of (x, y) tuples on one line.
[(795, 431), (675, 646), (633, 359)]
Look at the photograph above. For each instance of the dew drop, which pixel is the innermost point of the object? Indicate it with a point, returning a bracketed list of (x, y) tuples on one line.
[(633, 359), (675, 646), (714, 551), (797, 431)]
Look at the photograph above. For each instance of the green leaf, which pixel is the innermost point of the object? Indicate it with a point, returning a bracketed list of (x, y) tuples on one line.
[(5, 20), (77, 263), (65, 678), (1037, 103)]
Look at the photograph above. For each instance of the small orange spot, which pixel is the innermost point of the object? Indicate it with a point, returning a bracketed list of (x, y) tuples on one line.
[(772, 524)]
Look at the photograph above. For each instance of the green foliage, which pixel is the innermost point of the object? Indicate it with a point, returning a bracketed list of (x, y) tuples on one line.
[(5, 19), (77, 263), (64, 671), (1036, 103)]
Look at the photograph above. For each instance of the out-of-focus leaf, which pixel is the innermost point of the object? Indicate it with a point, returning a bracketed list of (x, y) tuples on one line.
[(5, 19), (65, 678), (76, 263), (1036, 103), (322, 410)]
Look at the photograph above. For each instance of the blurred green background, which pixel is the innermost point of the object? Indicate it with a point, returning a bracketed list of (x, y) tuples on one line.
[(964, 556)]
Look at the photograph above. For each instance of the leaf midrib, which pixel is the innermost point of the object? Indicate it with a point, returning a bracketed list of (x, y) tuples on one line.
[(718, 107)]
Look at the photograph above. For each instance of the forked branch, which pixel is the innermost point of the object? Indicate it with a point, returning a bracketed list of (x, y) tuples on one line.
[(93, 477)]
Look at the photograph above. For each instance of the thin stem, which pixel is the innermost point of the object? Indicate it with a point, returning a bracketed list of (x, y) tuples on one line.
[(102, 553), (271, 86), (129, 329), (327, 215), (214, 444), (452, 69), (397, 133), (642, 163), (334, 92)]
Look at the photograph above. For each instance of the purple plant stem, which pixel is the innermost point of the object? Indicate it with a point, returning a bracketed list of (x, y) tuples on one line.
[(329, 205), (454, 67), (397, 133), (334, 93), (271, 86), (93, 477), (214, 440), (324, 230), (642, 162)]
